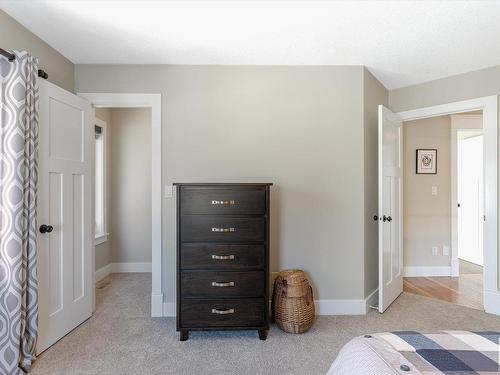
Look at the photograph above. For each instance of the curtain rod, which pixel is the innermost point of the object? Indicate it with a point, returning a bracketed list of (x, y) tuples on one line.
[(12, 57), (8, 55)]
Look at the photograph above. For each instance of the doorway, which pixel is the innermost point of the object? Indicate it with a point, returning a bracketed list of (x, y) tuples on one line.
[(391, 260), (153, 101), (122, 178), (431, 269)]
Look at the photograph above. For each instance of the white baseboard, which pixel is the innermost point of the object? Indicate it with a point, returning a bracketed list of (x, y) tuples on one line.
[(157, 305), (169, 309), (131, 267), (323, 307), (491, 302), (101, 273), (426, 271)]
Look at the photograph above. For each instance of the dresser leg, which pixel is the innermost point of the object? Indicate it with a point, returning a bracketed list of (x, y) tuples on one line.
[(263, 334), (184, 335)]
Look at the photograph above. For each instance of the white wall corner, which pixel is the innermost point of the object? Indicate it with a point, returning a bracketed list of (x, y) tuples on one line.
[(427, 271), (101, 273), (131, 267), (169, 309)]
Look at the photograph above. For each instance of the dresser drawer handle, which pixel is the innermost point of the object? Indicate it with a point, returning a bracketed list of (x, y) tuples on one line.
[(223, 312), (223, 257), (224, 230), (221, 284), (224, 202)]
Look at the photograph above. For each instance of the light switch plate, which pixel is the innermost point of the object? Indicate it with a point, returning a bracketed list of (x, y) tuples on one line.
[(434, 190), (169, 191), (434, 250)]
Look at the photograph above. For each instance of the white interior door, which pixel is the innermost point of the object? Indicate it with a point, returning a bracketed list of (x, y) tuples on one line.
[(390, 174), (470, 197), (64, 207)]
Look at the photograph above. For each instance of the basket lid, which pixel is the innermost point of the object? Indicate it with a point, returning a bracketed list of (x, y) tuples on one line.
[(293, 277)]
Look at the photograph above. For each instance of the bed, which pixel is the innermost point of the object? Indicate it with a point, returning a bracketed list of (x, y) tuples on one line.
[(422, 352)]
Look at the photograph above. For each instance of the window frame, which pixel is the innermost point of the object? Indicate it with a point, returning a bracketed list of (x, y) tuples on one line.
[(102, 236)]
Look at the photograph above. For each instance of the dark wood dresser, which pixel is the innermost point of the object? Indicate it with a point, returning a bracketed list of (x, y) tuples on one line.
[(222, 257)]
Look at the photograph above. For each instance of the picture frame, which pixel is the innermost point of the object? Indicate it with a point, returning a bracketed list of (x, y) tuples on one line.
[(426, 161)]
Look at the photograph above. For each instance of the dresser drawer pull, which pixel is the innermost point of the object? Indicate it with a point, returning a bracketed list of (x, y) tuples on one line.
[(224, 230), (223, 312), (224, 203), (223, 257), (223, 284)]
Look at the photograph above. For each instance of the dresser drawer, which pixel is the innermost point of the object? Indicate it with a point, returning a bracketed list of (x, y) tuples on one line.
[(222, 313), (214, 284), (208, 228), (222, 256), (251, 201)]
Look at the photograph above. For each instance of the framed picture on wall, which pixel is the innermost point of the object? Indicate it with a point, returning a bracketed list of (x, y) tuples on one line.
[(426, 161)]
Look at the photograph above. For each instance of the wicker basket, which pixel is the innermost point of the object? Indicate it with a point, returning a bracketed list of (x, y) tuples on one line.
[(293, 303)]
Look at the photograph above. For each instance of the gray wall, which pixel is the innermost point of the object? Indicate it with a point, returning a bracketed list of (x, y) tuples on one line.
[(15, 36), (373, 95), (460, 87), (299, 127), (103, 251), (427, 217), (129, 181)]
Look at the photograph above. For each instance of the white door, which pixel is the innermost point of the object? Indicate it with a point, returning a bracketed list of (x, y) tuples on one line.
[(470, 198), (64, 207), (390, 182)]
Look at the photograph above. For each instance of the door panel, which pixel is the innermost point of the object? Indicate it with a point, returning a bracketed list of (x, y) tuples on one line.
[(64, 202), (390, 205)]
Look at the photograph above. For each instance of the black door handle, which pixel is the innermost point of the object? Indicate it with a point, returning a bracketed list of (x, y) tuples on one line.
[(44, 228), (386, 218)]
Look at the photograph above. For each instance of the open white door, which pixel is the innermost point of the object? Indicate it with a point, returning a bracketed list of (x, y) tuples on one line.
[(390, 193), (64, 213)]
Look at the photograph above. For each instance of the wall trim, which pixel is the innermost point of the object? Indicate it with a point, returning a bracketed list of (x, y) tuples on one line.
[(424, 271), (491, 300), (102, 272), (169, 309), (110, 268), (323, 307), (131, 267), (154, 102)]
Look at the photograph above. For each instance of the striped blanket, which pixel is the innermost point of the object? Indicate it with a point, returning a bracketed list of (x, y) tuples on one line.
[(411, 352)]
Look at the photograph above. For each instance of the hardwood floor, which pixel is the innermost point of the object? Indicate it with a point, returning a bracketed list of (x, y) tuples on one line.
[(465, 290)]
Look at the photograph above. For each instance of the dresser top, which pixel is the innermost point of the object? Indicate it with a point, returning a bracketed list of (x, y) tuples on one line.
[(223, 184)]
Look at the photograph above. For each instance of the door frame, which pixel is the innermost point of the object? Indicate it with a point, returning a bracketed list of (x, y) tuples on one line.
[(489, 106), (153, 101), (456, 126)]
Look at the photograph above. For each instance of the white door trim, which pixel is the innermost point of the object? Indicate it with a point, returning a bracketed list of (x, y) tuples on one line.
[(154, 102), (489, 106), (457, 123)]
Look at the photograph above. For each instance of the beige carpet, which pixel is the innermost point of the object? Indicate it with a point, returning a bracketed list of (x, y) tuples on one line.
[(121, 338)]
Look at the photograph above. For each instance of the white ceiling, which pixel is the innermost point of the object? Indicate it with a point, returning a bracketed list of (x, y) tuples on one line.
[(402, 43)]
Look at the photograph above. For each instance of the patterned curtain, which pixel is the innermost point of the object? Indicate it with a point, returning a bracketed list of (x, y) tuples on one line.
[(18, 186)]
